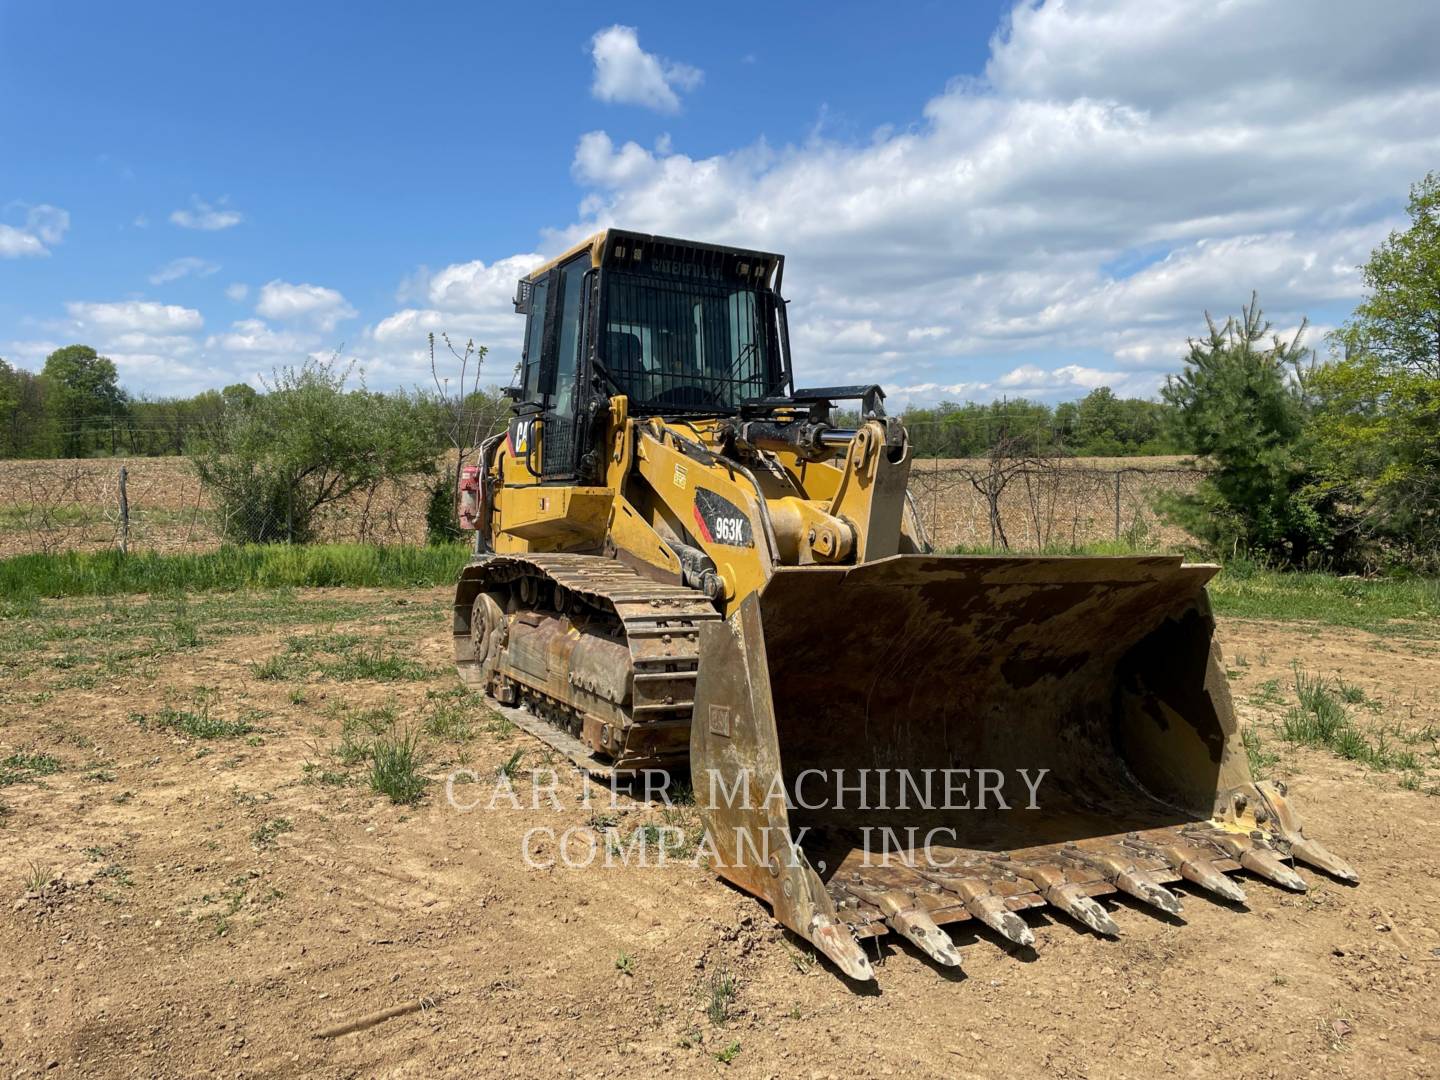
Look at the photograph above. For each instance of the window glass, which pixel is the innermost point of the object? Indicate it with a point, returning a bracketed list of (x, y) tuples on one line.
[(572, 275), (534, 339), (688, 345)]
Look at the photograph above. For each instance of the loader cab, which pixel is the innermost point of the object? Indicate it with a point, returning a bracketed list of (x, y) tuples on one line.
[(681, 329)]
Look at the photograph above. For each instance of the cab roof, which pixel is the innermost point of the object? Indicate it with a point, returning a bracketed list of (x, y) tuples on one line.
[(614, 245)]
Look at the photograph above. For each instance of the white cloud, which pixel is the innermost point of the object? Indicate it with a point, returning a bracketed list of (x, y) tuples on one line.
[(1106, 182), (314, 304), (45, 226), (134, 316), (207, 216), (255, 336), (627, 74), (188, 266), (467, 301), (237, 291)]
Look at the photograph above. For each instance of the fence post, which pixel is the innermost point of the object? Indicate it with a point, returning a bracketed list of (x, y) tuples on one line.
[(124, 515), (1117, 504)]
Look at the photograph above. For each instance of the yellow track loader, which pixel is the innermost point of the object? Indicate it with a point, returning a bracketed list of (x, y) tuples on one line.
[(682, 558)]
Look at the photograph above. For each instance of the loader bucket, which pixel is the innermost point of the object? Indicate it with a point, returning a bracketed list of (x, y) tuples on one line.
[(925, 739)]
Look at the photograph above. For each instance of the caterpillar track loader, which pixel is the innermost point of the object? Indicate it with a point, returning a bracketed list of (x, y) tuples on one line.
[(683, 558)]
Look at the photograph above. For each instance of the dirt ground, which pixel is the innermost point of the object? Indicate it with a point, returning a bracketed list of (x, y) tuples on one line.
[(172, 904)]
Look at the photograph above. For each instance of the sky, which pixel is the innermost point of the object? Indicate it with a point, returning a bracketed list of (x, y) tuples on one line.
[(976, 200)]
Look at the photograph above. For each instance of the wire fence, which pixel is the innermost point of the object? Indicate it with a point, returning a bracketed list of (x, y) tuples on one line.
[(158, 504), (1033, 504)]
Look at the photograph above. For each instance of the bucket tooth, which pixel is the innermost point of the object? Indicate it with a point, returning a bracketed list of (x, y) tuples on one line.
[(1315, 854), (1126, 875), (1267, 864), (1069, 899), (920, 930), (1256, 856), (1282, 819), (1194, 868), (1142, 886), (984, 905), (904, 916), (1202, 872), (833, 938), (991, 911)]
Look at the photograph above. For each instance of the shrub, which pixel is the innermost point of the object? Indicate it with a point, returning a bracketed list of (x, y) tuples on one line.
[(305, 443)]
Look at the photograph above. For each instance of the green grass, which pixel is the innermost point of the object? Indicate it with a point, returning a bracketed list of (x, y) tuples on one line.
[(395, 762), (1406, 605), (197, 721), (373, 664), (1322, 719), (722, 994), (255, 566), (20, 767), (1260, 759), (264, 835)]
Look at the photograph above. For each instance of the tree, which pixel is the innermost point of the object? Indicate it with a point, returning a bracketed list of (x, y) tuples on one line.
[(1243, 405), (1377, 435), (1399, 322), (1377, 426), (306, 443), (461, 415), (83, 399), (1098, 422)]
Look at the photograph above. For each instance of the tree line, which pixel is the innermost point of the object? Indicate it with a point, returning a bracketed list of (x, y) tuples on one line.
[(1100, 424), (75, 407)]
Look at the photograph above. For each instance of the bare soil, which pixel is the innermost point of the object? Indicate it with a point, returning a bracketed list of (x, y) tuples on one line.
[(216, 905)]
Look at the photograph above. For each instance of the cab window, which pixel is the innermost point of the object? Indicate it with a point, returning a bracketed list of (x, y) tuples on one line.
[(534, 341), (567, 362)]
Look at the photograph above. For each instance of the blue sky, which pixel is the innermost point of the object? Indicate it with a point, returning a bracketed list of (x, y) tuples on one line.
[(975, 199)]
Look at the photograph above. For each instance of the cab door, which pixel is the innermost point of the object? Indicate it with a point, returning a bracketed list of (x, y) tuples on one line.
[(561, 423)]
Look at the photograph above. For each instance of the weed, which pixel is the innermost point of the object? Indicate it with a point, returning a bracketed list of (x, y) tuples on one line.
[(449, 720), (297, 695), (804, 961), (37, 876), (1322, 720), (625, 964), (264, 836), (511, 766), (101, 776), (116, 873), (729, 1054), (20, 767), (499, 726), (373, 664), (277, 668), (1268, 694), (1260, 758), (722, 994), (196, 722), (395, 763)]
